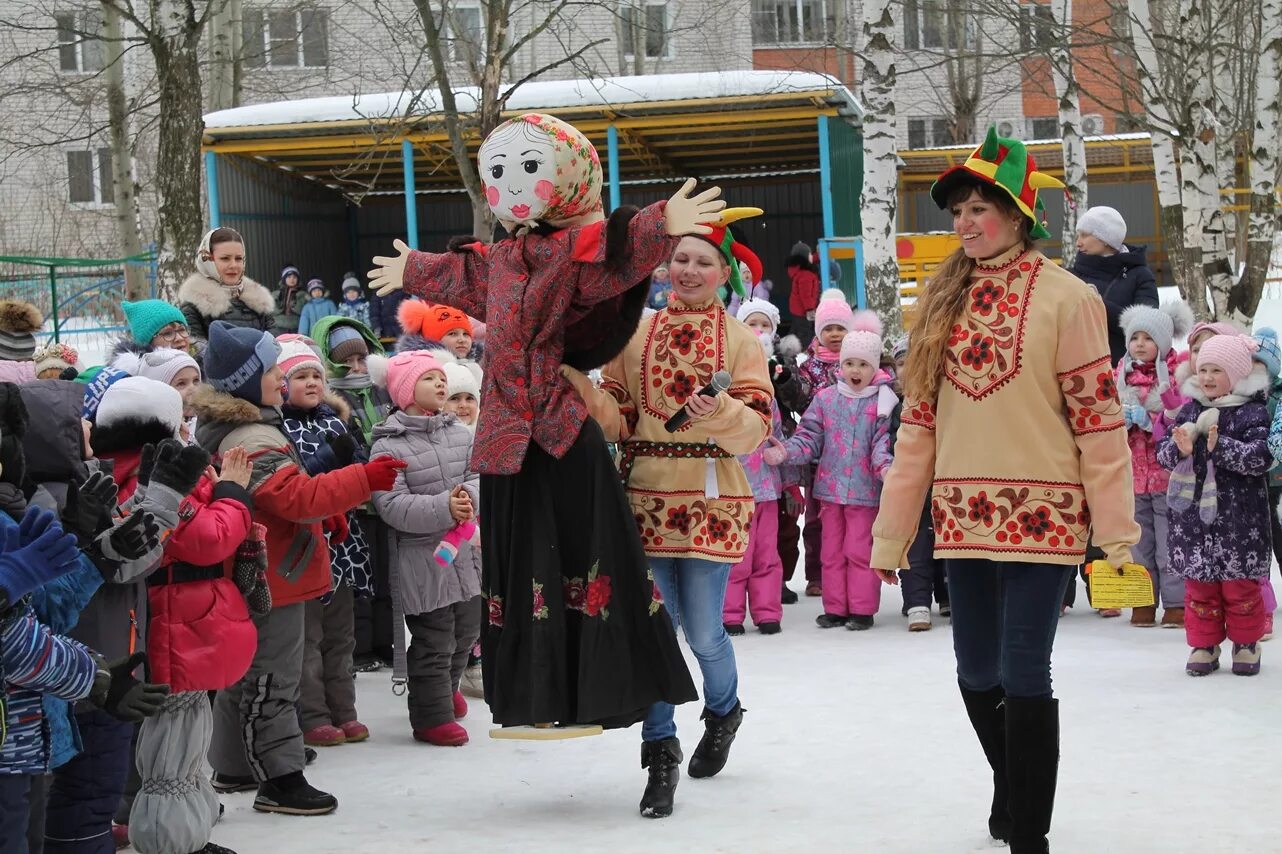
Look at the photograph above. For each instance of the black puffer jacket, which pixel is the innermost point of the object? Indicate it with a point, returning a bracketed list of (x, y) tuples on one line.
[(1123, 280)]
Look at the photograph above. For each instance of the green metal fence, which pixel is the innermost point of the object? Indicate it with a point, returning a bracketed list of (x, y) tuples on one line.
[(79, 296)]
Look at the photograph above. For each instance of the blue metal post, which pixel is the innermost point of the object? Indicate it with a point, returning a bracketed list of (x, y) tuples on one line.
[(861, 295), (612, 157), (825, 177), (411, 200), (211, 178)]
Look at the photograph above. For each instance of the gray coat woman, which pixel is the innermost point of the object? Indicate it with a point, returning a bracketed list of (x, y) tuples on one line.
[(440, 603)]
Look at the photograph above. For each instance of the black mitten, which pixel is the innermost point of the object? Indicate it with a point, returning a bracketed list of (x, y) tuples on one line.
[(250, 572), (89, 507), (124, 697), (179, 467)]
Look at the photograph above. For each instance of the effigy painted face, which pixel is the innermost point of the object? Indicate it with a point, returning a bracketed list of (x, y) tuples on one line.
[(537, 169)]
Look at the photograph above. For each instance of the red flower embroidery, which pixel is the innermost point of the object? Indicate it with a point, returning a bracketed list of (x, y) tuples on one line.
[(683, 338), (540, 607), (718, 528), (1035, 524), (979, 353), (496, 611), (679, 519), (574, 594), (681, 387), (984, 297), (1106, 387), (981, 509), (938, 515), (598, 595)]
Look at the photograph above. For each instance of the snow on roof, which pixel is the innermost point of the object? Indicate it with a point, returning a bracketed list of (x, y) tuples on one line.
[(1108, 137), (541, 95)]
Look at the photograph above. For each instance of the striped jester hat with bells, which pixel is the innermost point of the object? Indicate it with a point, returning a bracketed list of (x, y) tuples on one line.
[(1004, 163), (734, 252)]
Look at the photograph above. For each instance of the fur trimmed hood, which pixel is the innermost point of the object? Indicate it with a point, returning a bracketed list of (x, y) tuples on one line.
[(213, 300), (19, 318), (213, 406), (127, 345), (129, 434), (1255, 387)]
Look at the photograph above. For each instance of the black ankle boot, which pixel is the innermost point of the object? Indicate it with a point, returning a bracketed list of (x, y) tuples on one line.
[(714, 748), (988, 719), (663, 758), (1032, 768)]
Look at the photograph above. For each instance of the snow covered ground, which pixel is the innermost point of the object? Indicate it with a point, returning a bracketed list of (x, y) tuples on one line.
[(852, 742)]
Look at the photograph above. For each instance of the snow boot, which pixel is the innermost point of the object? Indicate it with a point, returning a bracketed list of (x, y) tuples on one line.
[(460, 706), (770, 627), (226, 784), (1203, 661), (309, 756), (710, 755), (859, 622), (663, 759), (1032, 769), (988, 719), (788, 596), (444, 735), (473, 684), (354, 731), (120, 835), (293, 795), (1246, 659), (1173, 618), (919, 619), (830, 621), (326, 735), (733, 629), (1145, 617)]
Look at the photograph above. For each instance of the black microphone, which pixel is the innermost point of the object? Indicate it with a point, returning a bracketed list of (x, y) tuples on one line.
[(720, 382)]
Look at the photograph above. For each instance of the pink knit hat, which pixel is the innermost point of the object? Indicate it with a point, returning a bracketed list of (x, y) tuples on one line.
[(298, 352), (863, 341), (1219, 327), (404, 370), (1232, 353), (833, 310)]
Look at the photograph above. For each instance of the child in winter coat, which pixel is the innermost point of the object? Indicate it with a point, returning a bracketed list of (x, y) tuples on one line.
[(434, 495), (346, 346), (820, 370), (257, 742), (174, 368), (1149, 401), (316, 423), (847, 431), (925, 574), (1218, 504), (319, 305), (437, 327), (354, 305), (1270, 355), (464, 390), (757, 580), (19, 323), (803, 299), (287, 300), (55, 361)]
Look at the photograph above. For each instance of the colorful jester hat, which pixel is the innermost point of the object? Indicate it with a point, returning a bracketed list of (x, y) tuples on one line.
[(1004, 163), (734, 251), (537, 169)]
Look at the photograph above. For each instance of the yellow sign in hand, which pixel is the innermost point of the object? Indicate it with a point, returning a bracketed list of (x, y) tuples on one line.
[(1133, 588)]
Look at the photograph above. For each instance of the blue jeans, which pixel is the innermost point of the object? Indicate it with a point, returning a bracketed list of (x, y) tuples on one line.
[(1004, 621), (694, 592)]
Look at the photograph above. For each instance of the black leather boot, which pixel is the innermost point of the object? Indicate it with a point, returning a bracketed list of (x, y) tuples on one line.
[(714, 748), (663, 758), (1032, 768), (988, 719)]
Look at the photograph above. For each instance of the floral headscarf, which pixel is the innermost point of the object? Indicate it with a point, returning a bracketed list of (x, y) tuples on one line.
[(537, 169)]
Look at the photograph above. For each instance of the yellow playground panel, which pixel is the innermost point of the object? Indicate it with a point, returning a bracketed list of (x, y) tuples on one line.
[(919, 255)]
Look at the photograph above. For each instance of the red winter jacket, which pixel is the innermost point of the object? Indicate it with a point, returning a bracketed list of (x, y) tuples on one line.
[(201, 637), (287, 501), (805, 291)]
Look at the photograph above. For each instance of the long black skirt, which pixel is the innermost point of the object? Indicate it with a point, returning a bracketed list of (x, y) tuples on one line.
[(576, 632)]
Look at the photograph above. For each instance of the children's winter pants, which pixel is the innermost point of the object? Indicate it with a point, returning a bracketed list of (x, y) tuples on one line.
[(812, 536), (440, 642), (1150, 553), (328, 689), (86, 791), (255, 721), (15, 812), (849, 584), (925, 574), (759, 576), (177, 808), (1218, 609), (789, 540)]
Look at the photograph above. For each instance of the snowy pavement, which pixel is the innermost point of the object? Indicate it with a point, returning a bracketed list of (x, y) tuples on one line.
[(852, 742)]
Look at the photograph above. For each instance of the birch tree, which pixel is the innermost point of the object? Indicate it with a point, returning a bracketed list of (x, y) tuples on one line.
[(1262, 164), (1069, 106), (881, 175), (128, 230)]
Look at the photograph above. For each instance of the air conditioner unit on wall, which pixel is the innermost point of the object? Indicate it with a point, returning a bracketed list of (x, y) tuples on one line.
[(1010, 128), (1093, 125)]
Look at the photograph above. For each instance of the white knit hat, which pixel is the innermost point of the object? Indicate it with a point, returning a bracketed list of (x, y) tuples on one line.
[(758, 306), (161, 364), (460, 380), (296, 353), (863, 341), (140, 399), (1106, 224)]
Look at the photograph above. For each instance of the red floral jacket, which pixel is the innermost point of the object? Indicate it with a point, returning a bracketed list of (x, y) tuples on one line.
[(528, 290)]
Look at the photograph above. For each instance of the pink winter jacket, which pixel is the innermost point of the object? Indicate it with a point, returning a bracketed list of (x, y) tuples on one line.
[(1140, 385), (17, 372)]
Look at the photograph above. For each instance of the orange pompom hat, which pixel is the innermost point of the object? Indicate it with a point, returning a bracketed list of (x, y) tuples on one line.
[(431, 321)]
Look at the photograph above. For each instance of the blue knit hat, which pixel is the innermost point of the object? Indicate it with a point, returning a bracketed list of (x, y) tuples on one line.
[(94, 391), (1269, 354), (236, 359), (149, 316)]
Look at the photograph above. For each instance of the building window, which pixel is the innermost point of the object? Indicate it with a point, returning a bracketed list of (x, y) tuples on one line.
[(928, 133), (78, 50), (463, 28), (645, 21), (1043, 127), (297, 38), (791, 22), (1036, 27), (937, 24), (89, 177)]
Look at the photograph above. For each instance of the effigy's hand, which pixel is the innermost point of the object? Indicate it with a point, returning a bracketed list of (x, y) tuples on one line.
[(686, 214), (389, 272)]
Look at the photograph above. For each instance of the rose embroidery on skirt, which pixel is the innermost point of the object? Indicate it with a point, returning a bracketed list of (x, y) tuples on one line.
[(574, 593), (496, 611), (540, 609), (599, 593)]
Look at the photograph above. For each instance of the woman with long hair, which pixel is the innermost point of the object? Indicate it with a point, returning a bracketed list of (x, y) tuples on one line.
[(1012, 422)]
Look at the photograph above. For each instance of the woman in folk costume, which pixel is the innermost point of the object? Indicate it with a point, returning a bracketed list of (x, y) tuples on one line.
[(689, 492), (573, 635), (1012, 423)]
